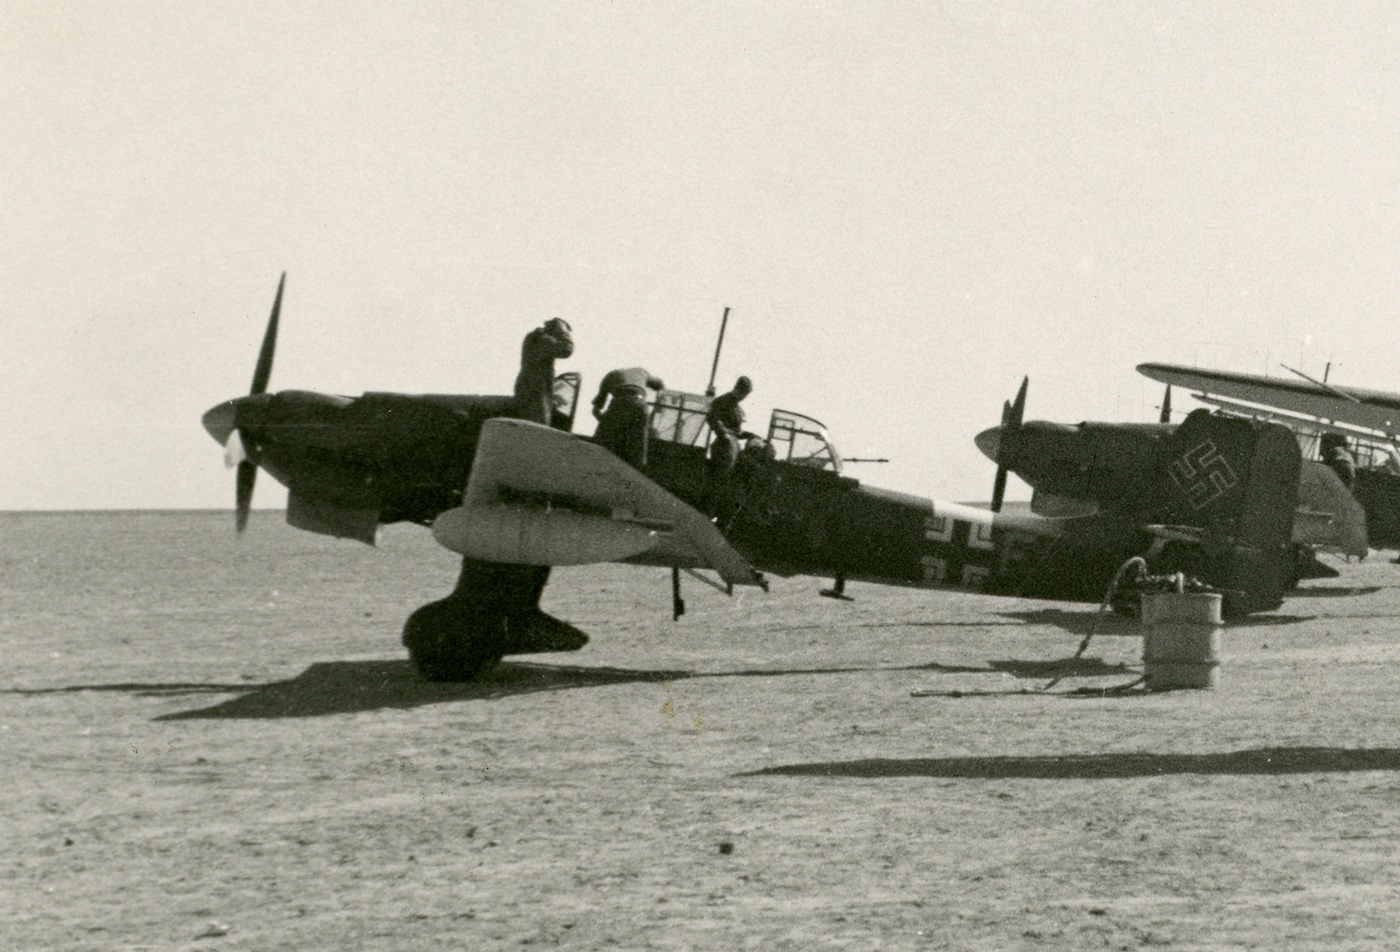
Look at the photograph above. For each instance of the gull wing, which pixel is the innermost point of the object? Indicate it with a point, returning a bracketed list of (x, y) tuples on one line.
[(541, 496)]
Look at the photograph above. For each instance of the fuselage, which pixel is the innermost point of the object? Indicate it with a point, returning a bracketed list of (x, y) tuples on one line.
[(1113, 466), (399, 457)]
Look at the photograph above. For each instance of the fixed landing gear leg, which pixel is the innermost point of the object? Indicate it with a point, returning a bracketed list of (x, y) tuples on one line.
[(838, 590), (494, 611), (677, 603)]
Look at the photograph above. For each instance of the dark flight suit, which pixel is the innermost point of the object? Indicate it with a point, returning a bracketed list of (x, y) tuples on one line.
[(726, 419), (723, 494), (622, 426), (534, 385)]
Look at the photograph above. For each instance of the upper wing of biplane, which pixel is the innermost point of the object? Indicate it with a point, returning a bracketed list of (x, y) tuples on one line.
[(540, 496), (1366, 409)]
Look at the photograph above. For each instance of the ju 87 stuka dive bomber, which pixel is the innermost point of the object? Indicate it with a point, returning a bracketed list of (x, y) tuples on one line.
[(1215, 497)]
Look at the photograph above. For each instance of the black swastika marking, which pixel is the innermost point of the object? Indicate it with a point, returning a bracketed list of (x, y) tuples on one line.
[(1202, 474)]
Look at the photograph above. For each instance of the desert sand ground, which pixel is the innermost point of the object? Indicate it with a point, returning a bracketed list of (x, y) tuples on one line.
[(216, 743)]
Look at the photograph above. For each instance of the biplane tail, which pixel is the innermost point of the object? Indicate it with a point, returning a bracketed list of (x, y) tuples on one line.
[(1230, 486)]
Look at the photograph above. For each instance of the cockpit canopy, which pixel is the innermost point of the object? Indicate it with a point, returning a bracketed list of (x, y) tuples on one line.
[(797, 439), (802, 440), (680, 418)]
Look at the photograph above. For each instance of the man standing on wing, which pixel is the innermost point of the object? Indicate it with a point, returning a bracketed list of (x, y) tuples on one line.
[(534, 385)]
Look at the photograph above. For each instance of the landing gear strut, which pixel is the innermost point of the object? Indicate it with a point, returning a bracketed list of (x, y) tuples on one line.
[(837, 590), (494, 611)]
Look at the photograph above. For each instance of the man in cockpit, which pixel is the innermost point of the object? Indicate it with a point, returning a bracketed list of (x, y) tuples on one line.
[(726, 420)]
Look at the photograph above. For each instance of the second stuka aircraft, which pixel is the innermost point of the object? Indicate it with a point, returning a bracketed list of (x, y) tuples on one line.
[(1088, 468), (515, 498)]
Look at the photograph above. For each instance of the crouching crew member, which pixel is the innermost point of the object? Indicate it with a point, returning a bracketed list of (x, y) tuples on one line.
[(723, 494), (621, 410), (726, 420)]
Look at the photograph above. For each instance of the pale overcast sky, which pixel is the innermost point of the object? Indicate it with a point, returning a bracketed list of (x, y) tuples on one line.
[(907, 205)]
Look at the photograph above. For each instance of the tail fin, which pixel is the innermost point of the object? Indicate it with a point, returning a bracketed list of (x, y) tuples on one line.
[(1237, 482)]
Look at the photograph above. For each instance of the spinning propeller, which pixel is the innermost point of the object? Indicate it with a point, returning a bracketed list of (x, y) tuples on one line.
[(222, 420), (1012, 415)]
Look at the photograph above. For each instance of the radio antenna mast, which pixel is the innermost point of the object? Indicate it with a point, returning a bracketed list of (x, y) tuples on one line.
[(724, 322)]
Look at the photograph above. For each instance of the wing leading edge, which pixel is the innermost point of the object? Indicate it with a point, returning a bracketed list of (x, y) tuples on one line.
[(1368, 409)]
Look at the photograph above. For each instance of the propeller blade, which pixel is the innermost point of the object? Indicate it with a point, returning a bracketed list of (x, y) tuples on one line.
[(1012, 415), (1018, 409), (247, 476), (263, 371), (1166, 416), (998, 488)]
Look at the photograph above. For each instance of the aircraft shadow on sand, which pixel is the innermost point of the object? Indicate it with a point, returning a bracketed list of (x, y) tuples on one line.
[(1071, 667), (350, 686), (1264, 761), (1079, 623), (344, 687), (978, 624), (1109, 625), (1336, 592)]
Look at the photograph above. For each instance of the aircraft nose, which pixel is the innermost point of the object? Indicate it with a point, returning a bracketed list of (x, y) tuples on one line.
[(989, 441), (221, 420)]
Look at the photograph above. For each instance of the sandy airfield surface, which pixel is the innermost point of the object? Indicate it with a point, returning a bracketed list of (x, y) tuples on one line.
[(214, 743)]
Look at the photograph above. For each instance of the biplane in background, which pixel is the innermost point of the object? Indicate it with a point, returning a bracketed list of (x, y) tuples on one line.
[(1322, 416), (516, 498)]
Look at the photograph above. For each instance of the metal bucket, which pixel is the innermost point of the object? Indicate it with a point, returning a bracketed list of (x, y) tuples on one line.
[(1181, 640)]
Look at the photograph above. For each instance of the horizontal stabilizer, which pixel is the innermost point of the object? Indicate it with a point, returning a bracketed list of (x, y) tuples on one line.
[(1062, 507), (985, 520), (540, 496), (1167, 533)]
